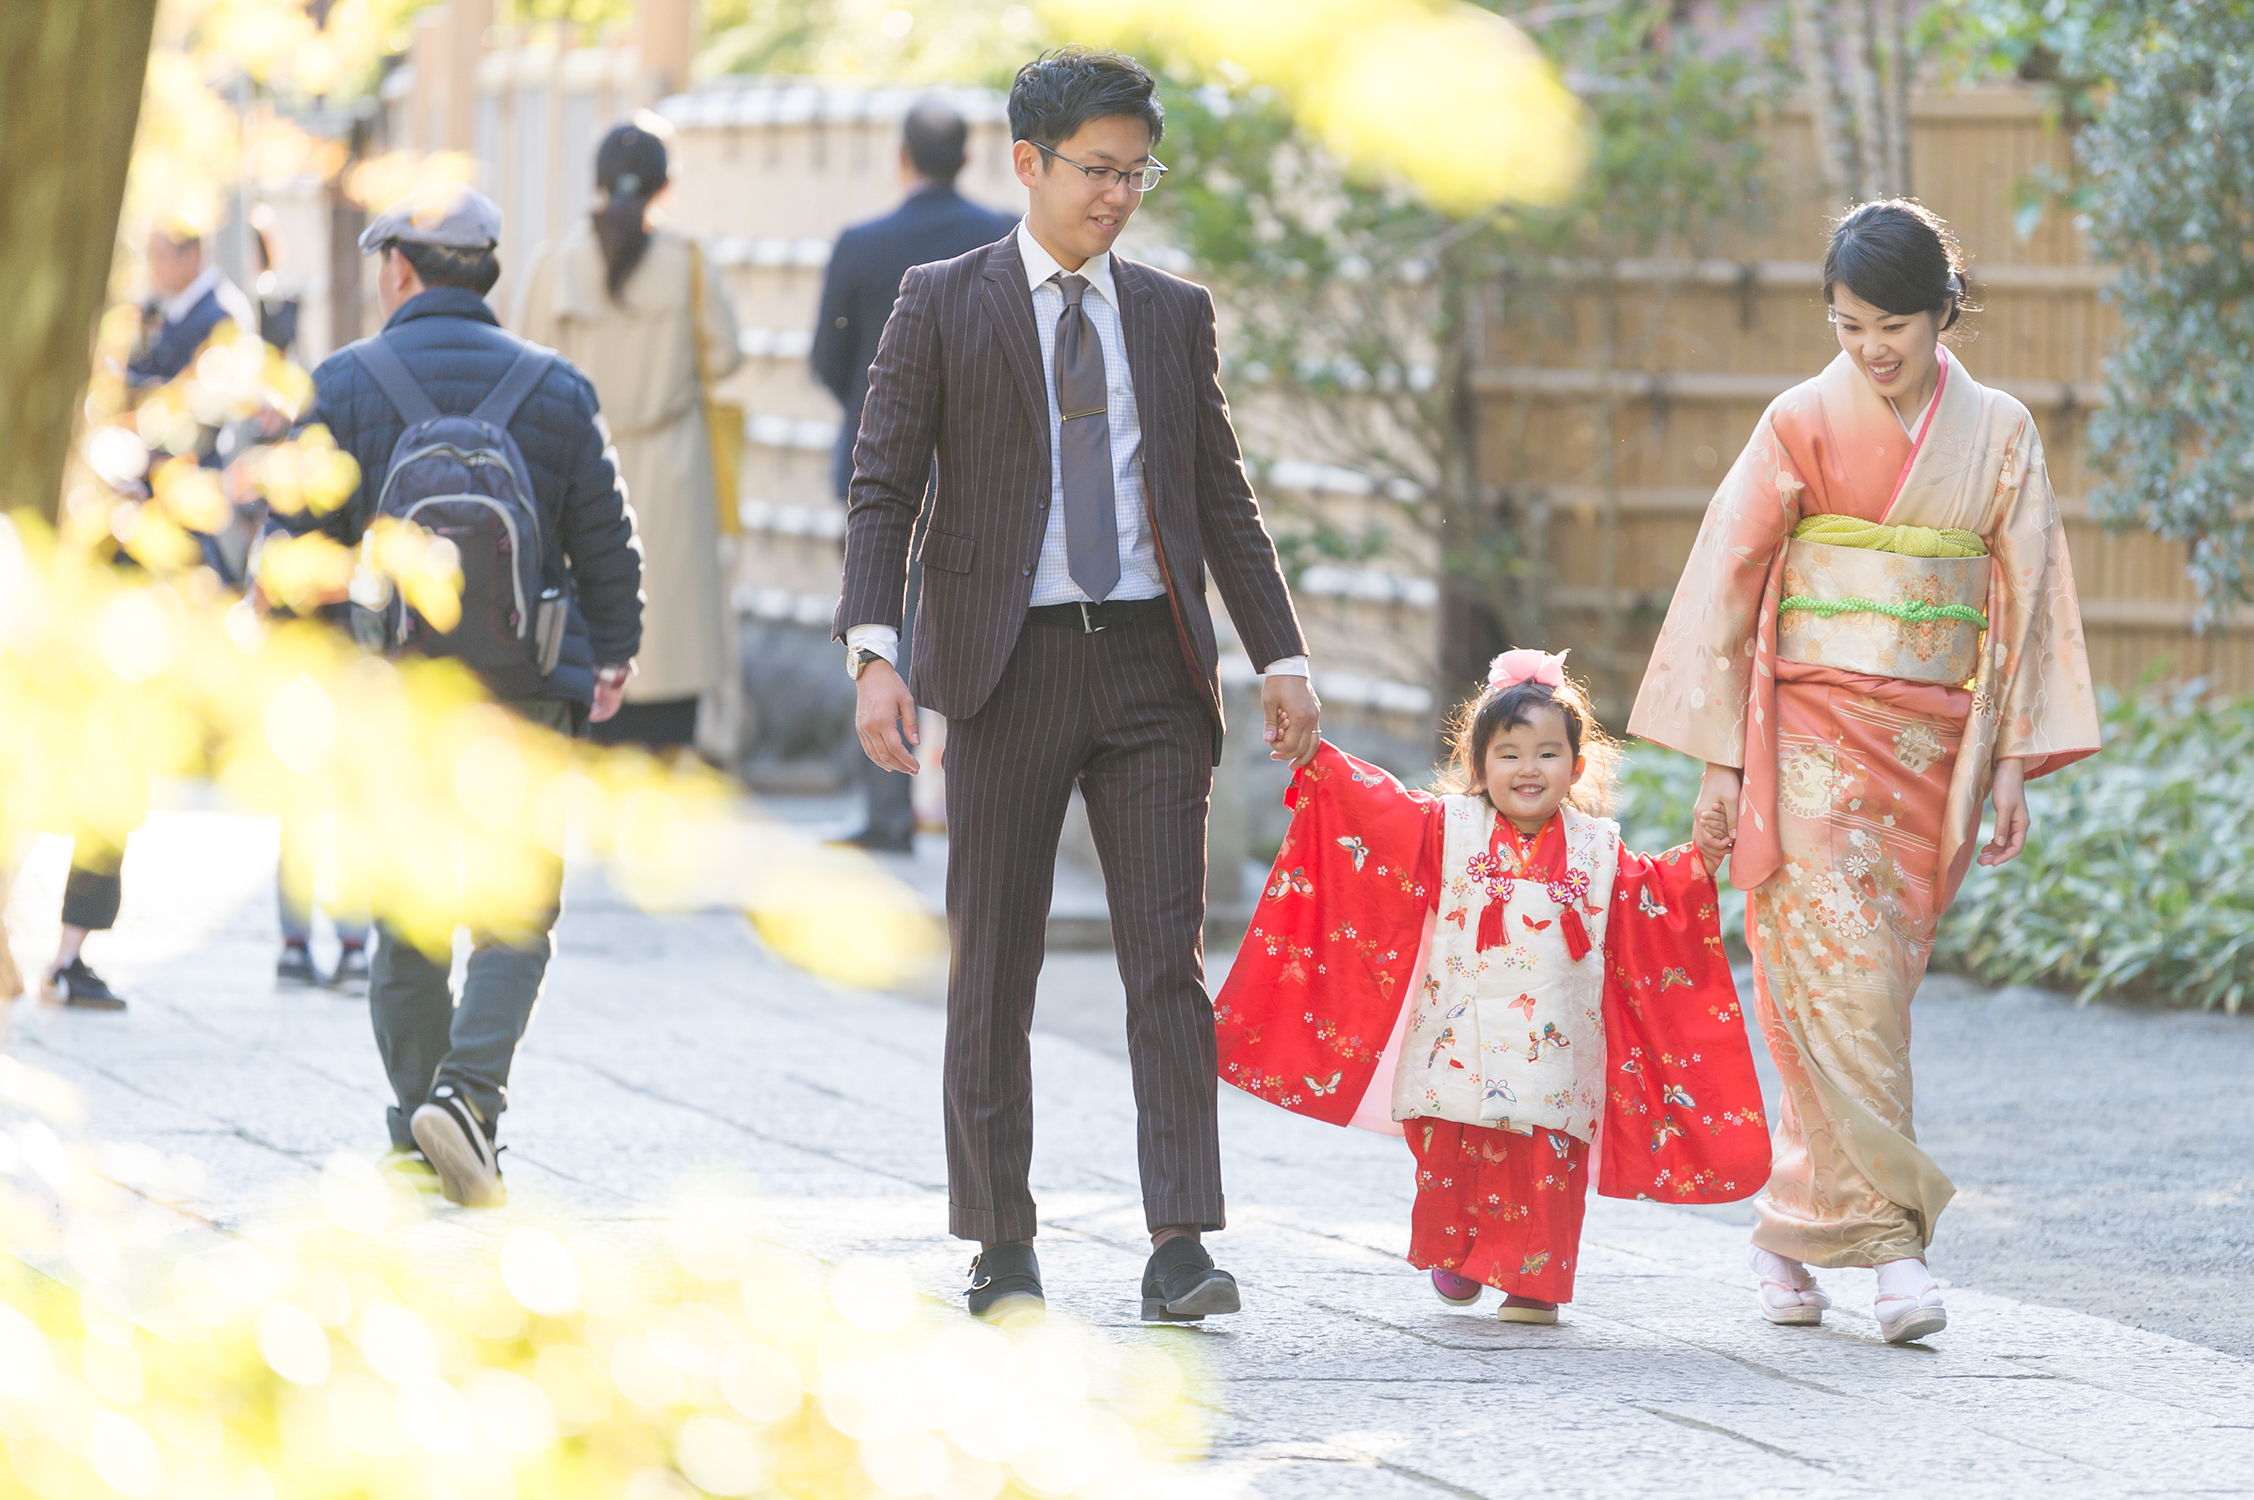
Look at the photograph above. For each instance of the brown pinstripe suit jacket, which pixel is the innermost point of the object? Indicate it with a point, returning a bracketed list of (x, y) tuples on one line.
[(958, 373)]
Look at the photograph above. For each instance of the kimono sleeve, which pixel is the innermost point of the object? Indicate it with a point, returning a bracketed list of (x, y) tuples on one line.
[(2046, 711), (1699, 686), (1304, 1016), (1683, 1121)]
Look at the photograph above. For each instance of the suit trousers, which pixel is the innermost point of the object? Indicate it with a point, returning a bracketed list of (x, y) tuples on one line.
[(1116, 713)]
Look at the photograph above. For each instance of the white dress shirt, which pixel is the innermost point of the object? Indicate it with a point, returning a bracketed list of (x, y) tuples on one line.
[(1138, 551)]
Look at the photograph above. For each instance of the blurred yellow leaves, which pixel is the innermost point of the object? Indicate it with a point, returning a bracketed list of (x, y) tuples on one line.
[(427, 569), (1449, 98), (362, 1351), (381, 181)]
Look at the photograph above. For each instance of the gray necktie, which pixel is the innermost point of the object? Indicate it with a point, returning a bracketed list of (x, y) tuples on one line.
[(1091, 520)]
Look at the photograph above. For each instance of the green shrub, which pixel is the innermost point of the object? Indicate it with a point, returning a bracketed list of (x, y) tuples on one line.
[(2139, 877)]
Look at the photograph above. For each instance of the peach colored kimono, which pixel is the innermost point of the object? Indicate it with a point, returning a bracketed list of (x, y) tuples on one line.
[(1863, 794)]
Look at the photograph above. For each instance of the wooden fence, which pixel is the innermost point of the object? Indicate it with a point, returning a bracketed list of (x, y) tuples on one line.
[(1614, 411)]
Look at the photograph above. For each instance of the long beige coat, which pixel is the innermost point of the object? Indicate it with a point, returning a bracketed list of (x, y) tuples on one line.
[(642, 357)]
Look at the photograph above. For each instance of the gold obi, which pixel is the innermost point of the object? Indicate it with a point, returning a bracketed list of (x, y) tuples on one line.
[(1881, 613)]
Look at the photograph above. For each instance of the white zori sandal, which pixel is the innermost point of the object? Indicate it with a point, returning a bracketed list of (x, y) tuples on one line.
[(1789, 1294), (1909, 1302)]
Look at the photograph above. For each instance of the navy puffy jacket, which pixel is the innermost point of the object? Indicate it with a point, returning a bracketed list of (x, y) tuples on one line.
[(457, 351)]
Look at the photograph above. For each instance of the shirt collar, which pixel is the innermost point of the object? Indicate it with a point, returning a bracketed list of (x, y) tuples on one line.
[(1040, 265), (195, 291)]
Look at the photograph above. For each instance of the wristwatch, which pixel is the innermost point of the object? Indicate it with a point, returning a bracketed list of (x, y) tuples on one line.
[(857, 661)]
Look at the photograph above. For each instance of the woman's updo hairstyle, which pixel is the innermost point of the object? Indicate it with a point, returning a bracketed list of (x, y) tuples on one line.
[(1899, 256), (630, 170), (1479, 719)]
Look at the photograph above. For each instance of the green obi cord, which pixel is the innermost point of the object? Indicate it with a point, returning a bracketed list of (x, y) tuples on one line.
[(1903, 541), (1888, 601)]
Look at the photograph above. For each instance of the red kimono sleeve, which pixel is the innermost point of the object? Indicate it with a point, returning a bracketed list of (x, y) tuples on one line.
[(1683, 1121), (1331, 954)]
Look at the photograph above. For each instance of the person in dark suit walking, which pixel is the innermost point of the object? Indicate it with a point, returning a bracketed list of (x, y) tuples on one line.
[(1088, 478), (933, 223)]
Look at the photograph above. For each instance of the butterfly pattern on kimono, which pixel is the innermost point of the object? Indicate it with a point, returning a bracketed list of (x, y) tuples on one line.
[(1318, 916)]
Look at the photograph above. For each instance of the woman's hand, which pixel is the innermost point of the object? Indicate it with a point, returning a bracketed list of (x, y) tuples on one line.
[(2009, 793), (1711, 837), (1718, 795)]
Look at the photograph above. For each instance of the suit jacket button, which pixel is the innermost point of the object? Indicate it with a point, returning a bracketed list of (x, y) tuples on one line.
[(1027, 572)]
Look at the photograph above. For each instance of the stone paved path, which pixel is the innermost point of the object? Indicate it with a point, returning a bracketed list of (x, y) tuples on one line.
[(672, 1043)]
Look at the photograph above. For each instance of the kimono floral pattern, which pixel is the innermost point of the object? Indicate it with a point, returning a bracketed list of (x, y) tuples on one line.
[(1501, 1208), (1368, 944), (1863, 794)]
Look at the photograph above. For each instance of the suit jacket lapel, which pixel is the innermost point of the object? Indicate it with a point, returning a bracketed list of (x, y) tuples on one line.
[(1009, 307)]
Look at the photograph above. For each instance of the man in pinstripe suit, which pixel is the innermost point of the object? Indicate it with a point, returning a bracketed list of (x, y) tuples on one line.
[(1088, 478)]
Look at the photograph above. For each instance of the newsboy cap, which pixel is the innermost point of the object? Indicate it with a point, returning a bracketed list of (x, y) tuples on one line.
[(447, 214)]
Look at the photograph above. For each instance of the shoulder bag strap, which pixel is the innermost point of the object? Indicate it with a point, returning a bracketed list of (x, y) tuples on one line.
[(530, 368), (390, 372)]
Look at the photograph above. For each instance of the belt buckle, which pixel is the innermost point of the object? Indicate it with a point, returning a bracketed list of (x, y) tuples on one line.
[(1088, 625)]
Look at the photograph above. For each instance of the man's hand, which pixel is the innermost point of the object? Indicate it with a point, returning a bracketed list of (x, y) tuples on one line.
[(882, 708), (610, 693), (2010, 796), (1294, 715)]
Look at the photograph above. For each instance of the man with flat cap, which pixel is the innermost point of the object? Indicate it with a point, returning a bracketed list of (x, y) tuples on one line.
[(442, 352)]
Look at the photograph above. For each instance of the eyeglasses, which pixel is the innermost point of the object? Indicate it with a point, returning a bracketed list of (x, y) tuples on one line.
[(1103, 179)]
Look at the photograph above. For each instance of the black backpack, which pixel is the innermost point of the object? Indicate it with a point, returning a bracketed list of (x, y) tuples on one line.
[(464, 478)]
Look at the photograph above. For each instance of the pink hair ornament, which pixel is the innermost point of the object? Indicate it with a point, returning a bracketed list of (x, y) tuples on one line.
[(1514, 667)]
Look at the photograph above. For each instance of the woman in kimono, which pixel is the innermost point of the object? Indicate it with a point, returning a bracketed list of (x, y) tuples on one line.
[(1558, 1007), (1876, 632)]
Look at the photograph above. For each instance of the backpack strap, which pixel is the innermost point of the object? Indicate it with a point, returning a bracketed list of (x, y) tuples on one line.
[(399, 387), (530, 369)]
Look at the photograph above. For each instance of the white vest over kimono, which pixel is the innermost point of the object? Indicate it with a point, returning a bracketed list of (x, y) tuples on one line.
[(1512, 1038)]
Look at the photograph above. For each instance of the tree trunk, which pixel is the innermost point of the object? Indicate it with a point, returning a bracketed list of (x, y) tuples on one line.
[(1871, 146), (72, 72), (1814, 47), (1472, 628), (1898, 93)]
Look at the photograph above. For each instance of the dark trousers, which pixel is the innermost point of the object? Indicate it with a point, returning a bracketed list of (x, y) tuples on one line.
[(1118, 713), (426, 1039), (95, 887)]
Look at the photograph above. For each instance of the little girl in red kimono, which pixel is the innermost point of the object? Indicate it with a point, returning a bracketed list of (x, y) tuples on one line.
[(1491, 974)]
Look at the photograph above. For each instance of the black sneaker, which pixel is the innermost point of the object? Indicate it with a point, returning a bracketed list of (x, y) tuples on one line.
[(351, 974), (455, 1142), (1005, 1285), (79, 988), (295, 967), (1180, 1284)]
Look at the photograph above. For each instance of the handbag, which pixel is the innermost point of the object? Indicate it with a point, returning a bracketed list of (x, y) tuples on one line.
[(723, 420)]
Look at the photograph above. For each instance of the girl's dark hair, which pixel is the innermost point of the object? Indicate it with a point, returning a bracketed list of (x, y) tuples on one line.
[(1494, 710), (630, 169), (1899, 256), (1062, 90)]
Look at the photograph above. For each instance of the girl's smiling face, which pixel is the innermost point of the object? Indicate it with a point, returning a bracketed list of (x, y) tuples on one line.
[(1528, 768)]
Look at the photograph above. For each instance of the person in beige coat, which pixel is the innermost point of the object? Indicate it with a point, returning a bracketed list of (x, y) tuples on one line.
[(618, 297)]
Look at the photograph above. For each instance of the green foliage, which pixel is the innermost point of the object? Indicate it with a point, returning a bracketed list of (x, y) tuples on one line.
[(2139, 876), (2172, 204)]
